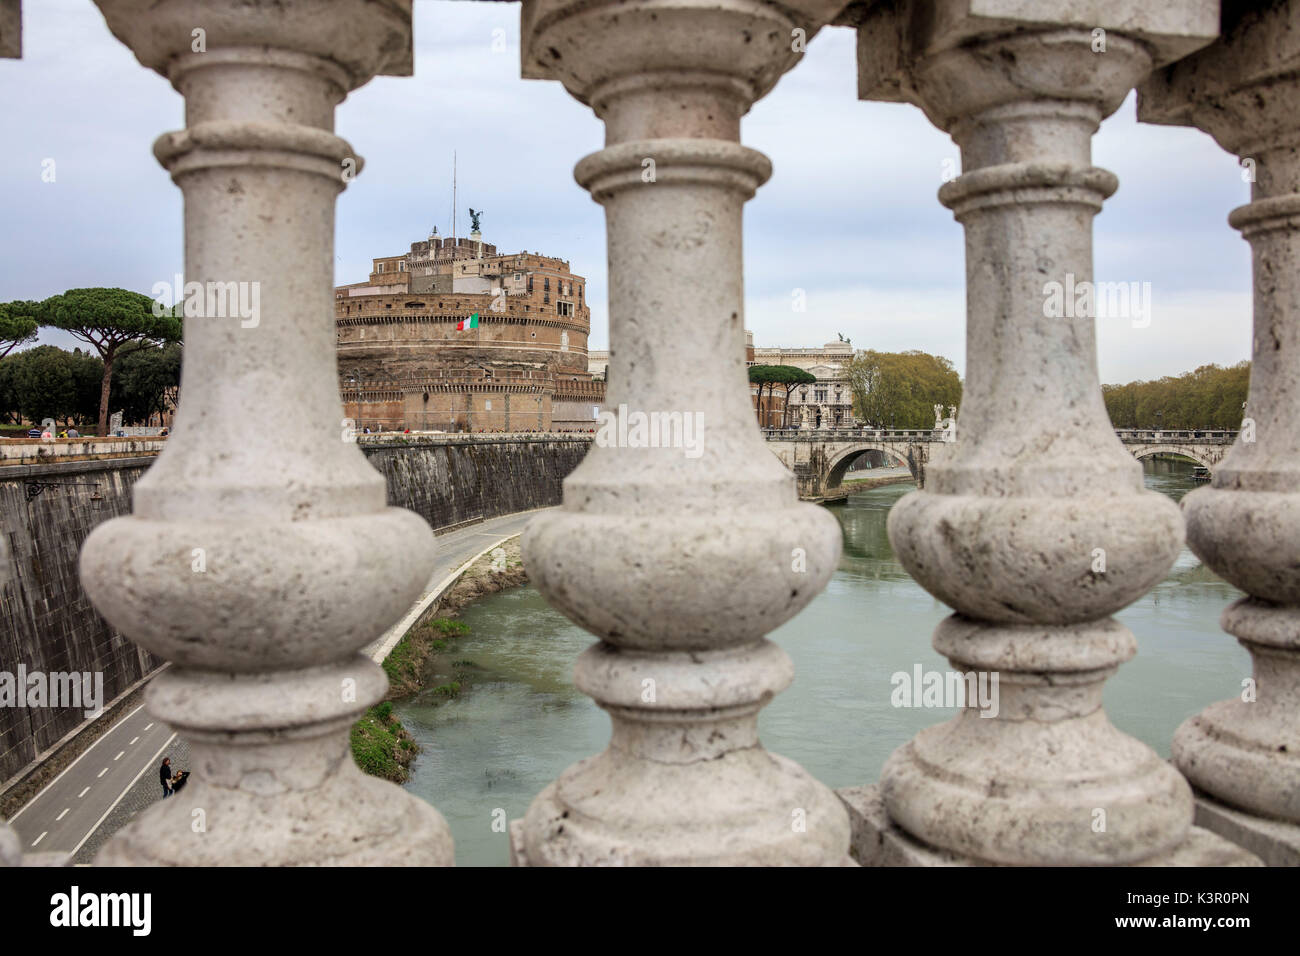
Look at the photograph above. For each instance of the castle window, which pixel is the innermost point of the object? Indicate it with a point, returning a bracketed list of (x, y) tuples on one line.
[(380, 267)]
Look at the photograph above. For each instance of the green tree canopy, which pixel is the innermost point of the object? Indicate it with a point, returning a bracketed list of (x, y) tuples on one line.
[(771, 376), (900, 389), (50, 382), (1209, 397), (18, 325), (146, 379), (106, 319), (791, 377), (760, 375)]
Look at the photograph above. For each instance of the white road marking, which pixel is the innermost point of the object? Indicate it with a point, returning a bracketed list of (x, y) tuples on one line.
[(83, 793), (62, 815), (149, 766), (119, 756), (73, 764), (101, 773), (133, 740), (148, 725), (39, 838)]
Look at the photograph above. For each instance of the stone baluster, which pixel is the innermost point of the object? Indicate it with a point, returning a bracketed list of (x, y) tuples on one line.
[(1034, 526), (260, 554), (1243, 755), (679, 558)]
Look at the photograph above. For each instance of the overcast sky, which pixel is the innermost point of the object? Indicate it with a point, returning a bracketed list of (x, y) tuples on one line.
[(850, 215)]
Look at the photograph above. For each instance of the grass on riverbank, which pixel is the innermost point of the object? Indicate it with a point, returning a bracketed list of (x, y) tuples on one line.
[(380, 744), (406, 665)]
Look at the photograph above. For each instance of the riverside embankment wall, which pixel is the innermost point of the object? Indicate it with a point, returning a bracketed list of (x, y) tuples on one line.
[(47, 623), (452, 479)]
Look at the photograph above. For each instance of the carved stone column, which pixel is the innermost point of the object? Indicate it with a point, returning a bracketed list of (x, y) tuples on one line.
[(260, 554), (1243, 755), (1034, 526), (679, 558)]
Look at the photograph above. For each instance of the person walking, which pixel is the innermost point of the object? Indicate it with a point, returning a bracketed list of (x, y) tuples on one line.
[(165, 776)]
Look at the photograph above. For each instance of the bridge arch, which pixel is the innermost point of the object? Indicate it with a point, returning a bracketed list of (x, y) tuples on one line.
[(844, 457), (1183, 451)]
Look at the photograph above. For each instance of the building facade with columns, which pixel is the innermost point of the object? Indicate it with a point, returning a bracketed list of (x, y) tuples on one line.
[(826, 403), (404, 363)]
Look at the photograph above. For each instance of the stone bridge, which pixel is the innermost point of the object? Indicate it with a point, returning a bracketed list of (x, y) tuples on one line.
[(653, 552), (820, 457)]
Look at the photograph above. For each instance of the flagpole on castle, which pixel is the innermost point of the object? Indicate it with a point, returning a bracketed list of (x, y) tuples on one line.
[(453, 202)]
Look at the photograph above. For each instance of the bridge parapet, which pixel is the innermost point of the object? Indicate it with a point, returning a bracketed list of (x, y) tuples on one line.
[(869, 434), (1165, 436), (819, 457)]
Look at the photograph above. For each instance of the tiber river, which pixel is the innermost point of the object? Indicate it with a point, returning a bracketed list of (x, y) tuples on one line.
[(522, 722)]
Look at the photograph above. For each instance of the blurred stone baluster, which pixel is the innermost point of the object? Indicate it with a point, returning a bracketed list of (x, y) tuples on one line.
[(11, 29), (1243, 755), (679, 558), (260, 554), (1035, 526)]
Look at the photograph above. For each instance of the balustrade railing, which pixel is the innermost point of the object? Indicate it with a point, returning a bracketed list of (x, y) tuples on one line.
[(681, 565), (1131, 435)]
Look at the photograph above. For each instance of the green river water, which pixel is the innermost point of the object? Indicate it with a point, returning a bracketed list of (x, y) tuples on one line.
[(521, 722)]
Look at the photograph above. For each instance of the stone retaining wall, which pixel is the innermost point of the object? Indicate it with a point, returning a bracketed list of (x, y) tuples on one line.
[(47, 623)]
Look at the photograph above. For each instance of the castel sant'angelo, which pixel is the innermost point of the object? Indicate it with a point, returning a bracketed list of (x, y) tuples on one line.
[(455, 337)]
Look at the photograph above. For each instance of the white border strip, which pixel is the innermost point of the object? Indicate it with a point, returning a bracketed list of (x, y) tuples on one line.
[(395, 633)]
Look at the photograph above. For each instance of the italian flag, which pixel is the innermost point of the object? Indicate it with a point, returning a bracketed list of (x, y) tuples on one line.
[(470, 323)]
